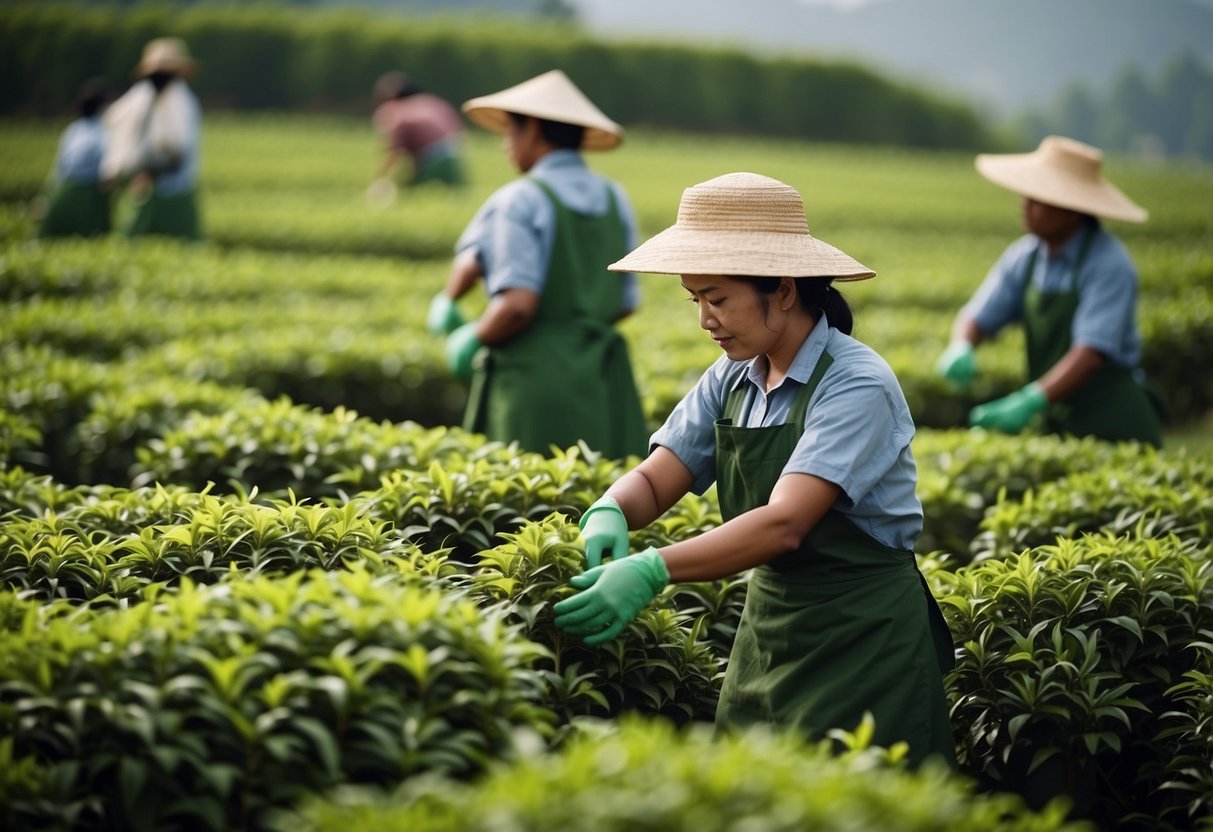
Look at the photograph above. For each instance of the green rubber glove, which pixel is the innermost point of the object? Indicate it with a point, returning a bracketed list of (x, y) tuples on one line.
[(604, 530), (461, 347), (614, 595), (1010, 414), (444, 316), (958, 363)]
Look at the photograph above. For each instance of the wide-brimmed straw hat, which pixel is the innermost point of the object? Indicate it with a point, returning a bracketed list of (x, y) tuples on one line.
[(1061, 172), (166, 55), (744, 225), (550, 96)]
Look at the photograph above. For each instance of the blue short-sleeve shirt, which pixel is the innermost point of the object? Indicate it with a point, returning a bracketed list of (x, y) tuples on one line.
[(513, 232), (1105, 319), (81, 147), (857, 430)]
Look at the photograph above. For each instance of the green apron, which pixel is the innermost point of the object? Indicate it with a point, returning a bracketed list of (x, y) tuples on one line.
[(172, 216), (567, 376), (439, 167), (76, 208), (840, 626), (1111, 405)]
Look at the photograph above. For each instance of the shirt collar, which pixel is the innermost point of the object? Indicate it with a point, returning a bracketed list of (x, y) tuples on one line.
[(558, 159), (802, 365)]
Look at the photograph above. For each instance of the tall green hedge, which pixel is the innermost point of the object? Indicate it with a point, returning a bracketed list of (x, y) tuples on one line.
[(267, 57)]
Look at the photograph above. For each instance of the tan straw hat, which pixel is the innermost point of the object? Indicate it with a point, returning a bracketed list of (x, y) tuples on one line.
[(1061, 172), (551, 96), (741, 224), (166, 55)]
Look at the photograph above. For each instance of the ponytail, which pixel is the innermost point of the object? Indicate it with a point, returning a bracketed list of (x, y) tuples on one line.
[(817, 295)]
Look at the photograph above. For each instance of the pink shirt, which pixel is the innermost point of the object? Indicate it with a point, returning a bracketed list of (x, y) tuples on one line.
[(415, 123)]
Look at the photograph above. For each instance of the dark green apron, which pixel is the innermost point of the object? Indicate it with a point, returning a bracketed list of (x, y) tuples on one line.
[(1111, 405), (76, 208), (567, 376), (840, 626), (171, 216), (439, 167)]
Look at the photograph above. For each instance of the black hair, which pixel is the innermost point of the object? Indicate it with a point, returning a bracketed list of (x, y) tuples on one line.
[(394, 85), (91, 97), (816, 295), (564, 136), (160, 79)]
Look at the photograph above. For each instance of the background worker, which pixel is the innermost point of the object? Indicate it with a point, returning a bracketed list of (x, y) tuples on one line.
[(549, 366), (1074, 287), (417, 126), (155, 142), (806, 434), (76, 202)]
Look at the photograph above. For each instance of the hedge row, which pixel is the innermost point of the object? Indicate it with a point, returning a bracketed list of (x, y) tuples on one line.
[(1083, 667), (287, 58)]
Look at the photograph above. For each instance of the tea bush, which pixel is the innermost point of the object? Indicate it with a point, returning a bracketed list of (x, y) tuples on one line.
[(1068, 657), (648, 776), (1151, 495), (209, 707), (660, 665), (113, 546)]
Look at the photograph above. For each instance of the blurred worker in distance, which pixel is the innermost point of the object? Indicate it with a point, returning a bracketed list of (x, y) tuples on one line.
[(419, 125), (549, 367), (76, 202), (155, 142), (1074, 287)]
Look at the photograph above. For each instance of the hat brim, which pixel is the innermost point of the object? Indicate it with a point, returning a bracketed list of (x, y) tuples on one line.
[(496, 119), (1022, 173), (184, 68), (741, 254)]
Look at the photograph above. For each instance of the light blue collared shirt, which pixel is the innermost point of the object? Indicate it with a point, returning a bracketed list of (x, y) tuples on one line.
[(513, 232), (857, 430), (80, 150), (1105, 319)]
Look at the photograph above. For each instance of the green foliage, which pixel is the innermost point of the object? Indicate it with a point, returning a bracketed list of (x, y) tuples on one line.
[(1152, 494), (659, 665), (962, 474), (647, 776), (210, 707), (111, 546), (264, 57), (1066, 659)]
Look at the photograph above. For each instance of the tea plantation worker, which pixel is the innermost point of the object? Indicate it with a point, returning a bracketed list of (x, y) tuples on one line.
[(1073, 286), (77, 203), (421, 134), (548, 366), (156, 131), (806, 434)]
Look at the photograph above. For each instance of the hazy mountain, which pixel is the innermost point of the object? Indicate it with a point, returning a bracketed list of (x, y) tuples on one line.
[(1003, 55)]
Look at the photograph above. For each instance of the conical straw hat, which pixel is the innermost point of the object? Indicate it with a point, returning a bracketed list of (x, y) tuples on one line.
[(550, 96), (166, 55), (1061, 172), (744, 225)]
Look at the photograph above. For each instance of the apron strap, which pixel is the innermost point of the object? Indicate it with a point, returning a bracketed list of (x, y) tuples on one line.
[(800, 405), (1083, 248)]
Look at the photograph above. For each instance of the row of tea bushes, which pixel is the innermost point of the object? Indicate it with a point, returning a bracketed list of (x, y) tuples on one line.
[(349, 331), (207, 708), (643, 775), (449, 489), (1083, 668), (1114, 621), (1068, 655)]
